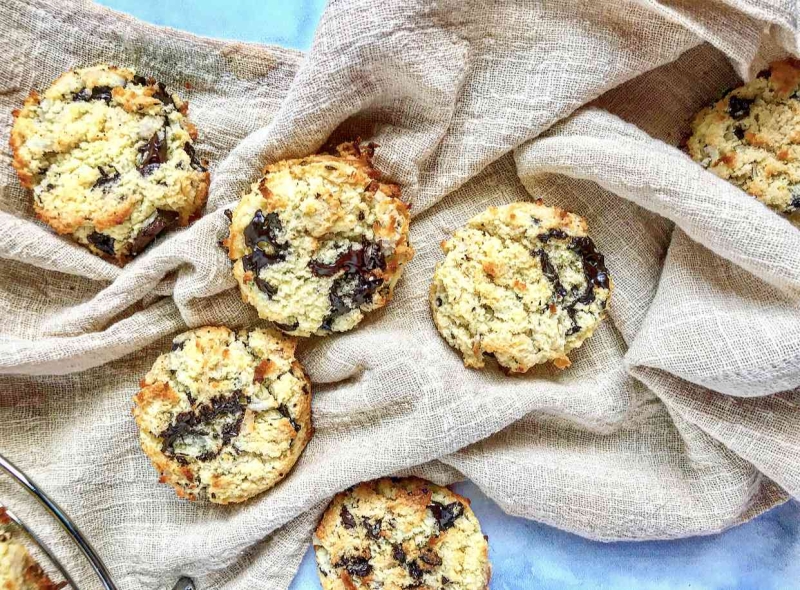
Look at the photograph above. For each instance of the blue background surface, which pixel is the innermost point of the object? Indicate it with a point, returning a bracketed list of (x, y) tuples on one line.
[(763, 554)]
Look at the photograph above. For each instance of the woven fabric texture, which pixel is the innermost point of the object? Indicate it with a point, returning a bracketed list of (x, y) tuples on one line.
[(681, 416)]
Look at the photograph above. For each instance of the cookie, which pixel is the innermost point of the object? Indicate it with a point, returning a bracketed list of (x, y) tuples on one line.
[(319, 242), (224, 415), (397, 534), (110, 158), (19, 570), (751, 138), (522, 283)]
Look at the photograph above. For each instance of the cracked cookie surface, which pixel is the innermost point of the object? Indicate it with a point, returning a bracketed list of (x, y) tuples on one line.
[(19, 570), (110, 159), (751, 138), (224, 415), (522, 283), (401, 533), (319, 242)]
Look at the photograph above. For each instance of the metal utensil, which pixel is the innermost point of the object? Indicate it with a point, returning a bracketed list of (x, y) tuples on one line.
[(66, 523)]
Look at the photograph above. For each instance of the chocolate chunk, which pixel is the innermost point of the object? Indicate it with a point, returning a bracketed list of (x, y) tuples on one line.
[(446, 514), (739, 108), (162, 95), (97, 93), (257, 260), (429, 556), (357, 285), (153, 153), (348, 521), (287, 327), (438, 302), (398, 553), (178, 345), (102, 242), (285, 413), (161, 221), (140, 80), (194, 160), (552, 234), (764, 73), (264, 229), (199, 422), (550, 273), (594, 267), (414, 570), (445, 580), (106, 178), (373, 528), (358, 566), (229, 214), (738, 132), (355, 260)]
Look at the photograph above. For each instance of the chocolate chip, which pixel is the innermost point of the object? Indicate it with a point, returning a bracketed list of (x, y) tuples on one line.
[(102, 242), (738, 132), (153, 153), (438, 302), (446, 514), (105, 178), (194, 160), (764, 73), (229, 214), (373, 528), (178, 345), (358, 566), (552, 234), (97, 93), (414, 570), (429, 556), (285, 413), (398, 553), (739, 108), (347, 519), (594, 267), (161, 221), (445, 580), (355, 260), (287, 327), (198, 422), (264, 229), (140, 80), (550, 273), (162, 95), (257, 260)]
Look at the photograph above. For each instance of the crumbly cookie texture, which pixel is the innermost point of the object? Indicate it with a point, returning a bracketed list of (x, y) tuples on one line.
[(19, 570), (224, 415), (110, 159), (522, 283), (319, 242), (397, 534), (751, 137)]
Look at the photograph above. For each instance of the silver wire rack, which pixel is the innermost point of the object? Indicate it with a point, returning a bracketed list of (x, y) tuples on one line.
[(69, 527)]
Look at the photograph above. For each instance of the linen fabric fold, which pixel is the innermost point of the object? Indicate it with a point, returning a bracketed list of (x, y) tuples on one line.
[(680, 416)]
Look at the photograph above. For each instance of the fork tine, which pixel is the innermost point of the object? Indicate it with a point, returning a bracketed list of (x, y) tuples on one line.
[(5, 512)]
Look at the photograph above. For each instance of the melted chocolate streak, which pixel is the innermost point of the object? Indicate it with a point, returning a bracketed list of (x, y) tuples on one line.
[(594, 270), (358, 266), (191, 422), (263, 229)]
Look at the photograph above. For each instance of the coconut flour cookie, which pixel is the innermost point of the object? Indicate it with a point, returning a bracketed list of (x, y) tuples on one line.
[(109, 157), (318, 242), (522, 283), (397, 534), (224, 415), (751, 137), (19, 570)]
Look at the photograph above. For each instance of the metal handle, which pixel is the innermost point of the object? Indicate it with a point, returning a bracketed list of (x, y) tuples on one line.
[(86, 548)]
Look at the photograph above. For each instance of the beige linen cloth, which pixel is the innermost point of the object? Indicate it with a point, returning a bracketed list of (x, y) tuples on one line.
[(681, 416)]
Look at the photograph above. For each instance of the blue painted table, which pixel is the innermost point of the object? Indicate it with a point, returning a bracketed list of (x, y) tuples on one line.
[(761, 555)]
